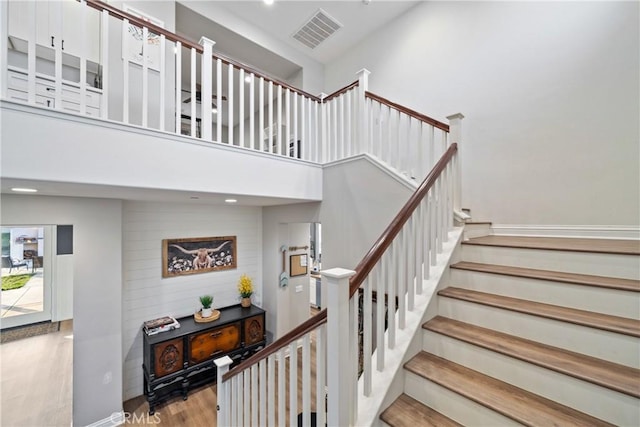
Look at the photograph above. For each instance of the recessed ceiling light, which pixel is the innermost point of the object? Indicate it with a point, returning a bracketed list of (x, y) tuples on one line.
[(24, 190), (230, 200), (269, 2)]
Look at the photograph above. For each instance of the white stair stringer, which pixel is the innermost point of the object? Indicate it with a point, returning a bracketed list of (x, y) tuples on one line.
[(387, 385), (591, 298), (453, 405), (582, 395), (611, 346), (597, 264)]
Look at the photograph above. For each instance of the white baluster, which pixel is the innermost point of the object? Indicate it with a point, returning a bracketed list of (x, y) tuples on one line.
[(104, 60), (178, 84), (363, 87), (261, 115), (219, 100), (333, 146), (317, 127), (263, 393), (145, 77), (206, 87), (222, 365), (348, 143), (341, 146), (246, 402), (306, 380), (321, 360), (338, 373), (240, 399), (433, 235), (380, 313), (254, 392), (391, 279), (287, 122), (270, 124), (83, 60), (426, 260), (282, 397), (235, 401), (230, 104), (419, 245), (293, 384), (367, 333), (241, 84), (271, 382), (125, 73), (410, 263), (304, 125), (279, 127), (161, 79), (296, 155), (455, 135), (252, 112), (193, 93), (402, 279)]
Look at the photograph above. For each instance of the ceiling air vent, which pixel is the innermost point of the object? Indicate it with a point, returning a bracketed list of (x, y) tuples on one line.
[(317, 29)]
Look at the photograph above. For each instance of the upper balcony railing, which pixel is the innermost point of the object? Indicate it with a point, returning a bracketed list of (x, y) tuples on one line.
[(91, 58)]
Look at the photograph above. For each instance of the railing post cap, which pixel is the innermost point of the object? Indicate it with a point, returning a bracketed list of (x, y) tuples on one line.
[(455, 116), (204, 40), (223, 361), (323, 95), (363, 71), (337, 273)]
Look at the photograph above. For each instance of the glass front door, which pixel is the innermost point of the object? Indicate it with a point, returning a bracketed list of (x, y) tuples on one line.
[(26, 284)]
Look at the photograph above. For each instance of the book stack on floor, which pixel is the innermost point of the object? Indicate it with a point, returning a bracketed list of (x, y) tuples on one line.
[(162, 324)]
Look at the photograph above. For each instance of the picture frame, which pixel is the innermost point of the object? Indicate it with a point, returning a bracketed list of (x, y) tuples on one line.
[(133, 50), (198, 255), (298, 265)]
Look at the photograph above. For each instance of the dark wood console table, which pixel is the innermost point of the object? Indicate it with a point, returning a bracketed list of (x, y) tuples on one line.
[(179, 360)]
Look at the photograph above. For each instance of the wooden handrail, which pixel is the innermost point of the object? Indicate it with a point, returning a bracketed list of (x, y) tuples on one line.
[(113, 11), (340, 91), (408, 111), (384, 241), (296, 333)]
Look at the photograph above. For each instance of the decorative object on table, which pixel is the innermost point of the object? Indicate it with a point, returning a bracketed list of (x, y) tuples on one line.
[(284, 279), (245, 287), (298, 265), (198, 255), (215, 315), (206, 301), (161, 324)]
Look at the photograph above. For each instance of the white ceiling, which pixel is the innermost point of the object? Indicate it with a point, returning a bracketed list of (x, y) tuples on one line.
[(284, 18)]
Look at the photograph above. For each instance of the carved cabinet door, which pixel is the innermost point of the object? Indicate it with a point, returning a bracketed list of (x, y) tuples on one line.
[(253, 330), (168, 357)]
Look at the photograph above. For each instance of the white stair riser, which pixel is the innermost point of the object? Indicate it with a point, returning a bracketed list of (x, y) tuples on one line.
[(597, 401), (476, 230), (601, 300), (623, 266), (617, 348), (451, 404)]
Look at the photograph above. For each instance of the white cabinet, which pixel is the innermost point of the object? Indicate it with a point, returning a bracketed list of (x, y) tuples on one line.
[(17, 89), (57, 22)]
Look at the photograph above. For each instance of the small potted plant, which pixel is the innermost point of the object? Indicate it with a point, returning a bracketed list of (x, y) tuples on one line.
[(206, 301), (245, 288)]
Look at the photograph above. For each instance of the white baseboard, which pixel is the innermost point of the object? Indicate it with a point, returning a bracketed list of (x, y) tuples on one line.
[(113, 420), (585, 231)]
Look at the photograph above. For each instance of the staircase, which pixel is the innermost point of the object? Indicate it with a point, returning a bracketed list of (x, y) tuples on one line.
[(533, 331)]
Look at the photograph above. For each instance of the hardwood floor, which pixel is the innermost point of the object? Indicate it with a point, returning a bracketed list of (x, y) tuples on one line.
[(200, 407), (37, 380)]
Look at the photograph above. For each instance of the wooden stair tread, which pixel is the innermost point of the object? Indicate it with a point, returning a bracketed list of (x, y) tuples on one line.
[(556, 276), (406, 411), (605, 322), (608, 246), (511, 401), (616, 377)]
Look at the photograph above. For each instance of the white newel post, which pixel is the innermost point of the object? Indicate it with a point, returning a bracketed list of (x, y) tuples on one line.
[(338, 372), (363, 116), (207, 87), (223, 390), (455, 135)]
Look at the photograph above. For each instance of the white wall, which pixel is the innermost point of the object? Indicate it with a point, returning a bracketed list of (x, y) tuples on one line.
[(146, 295), (550, 95), (360, 200), (97, 278), (298, 290), (275, 227)]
